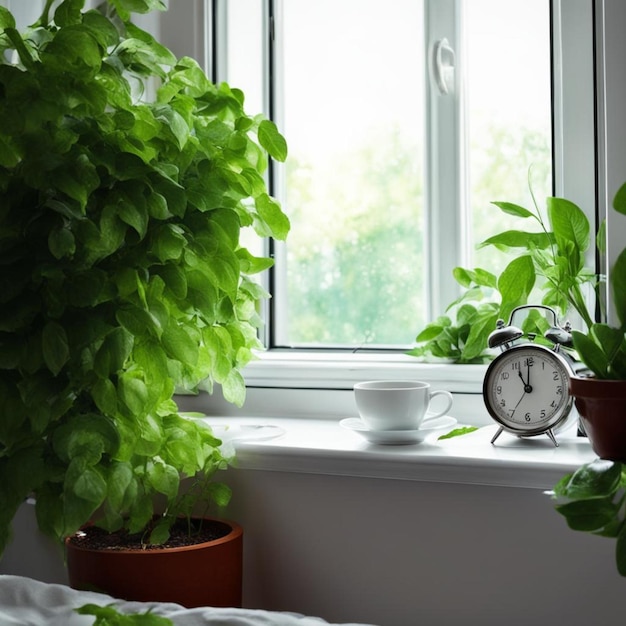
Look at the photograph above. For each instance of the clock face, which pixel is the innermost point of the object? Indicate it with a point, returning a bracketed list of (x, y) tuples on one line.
[(526, 389)]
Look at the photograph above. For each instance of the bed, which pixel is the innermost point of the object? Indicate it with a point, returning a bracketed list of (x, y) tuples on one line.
[(28, 602)]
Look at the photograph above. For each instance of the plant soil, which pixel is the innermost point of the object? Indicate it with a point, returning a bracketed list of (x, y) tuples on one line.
[(95, 538)]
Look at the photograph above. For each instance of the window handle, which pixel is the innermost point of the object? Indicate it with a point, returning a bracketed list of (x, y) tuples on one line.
[(443, 66)]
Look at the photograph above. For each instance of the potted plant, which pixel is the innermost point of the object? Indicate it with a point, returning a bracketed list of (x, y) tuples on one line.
[(122, 273), (601, 397), (593, 498)]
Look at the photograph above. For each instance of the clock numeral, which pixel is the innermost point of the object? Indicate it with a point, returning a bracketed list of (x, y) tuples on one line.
[(553, 404), (527, 417), (515, 366), (543, 414), (559, 391), (504, 376), (530, 361), (499, 389), (555, 375), (503, 402)]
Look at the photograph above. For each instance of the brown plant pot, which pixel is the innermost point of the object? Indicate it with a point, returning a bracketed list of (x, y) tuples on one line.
[(602, 408), (203, 574)]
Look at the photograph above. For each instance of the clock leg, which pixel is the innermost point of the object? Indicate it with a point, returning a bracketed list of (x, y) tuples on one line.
[(552, 437), (497, 434)]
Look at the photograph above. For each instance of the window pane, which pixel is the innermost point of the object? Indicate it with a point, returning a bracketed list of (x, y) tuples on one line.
[(353, 117), (508, 91)]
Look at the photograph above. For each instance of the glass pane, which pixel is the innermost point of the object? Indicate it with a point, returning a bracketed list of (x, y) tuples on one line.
[(244, 68), (508, 91), (353, 118)]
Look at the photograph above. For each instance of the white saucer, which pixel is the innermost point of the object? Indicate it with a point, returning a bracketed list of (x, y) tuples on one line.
[(397, 437), (247, 432)]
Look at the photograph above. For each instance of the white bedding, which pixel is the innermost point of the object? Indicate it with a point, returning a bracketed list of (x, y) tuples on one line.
[(28, 602)]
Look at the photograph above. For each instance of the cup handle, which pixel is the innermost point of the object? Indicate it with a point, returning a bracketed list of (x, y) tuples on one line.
[(440, 392)]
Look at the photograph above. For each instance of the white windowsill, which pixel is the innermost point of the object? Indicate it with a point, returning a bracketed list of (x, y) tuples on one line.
[(312, 446), (307, 395)]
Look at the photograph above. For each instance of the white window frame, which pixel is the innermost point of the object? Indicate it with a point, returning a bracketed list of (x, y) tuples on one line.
[(590, 157)]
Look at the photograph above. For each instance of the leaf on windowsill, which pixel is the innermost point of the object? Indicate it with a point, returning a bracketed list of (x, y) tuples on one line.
[(457, 432)]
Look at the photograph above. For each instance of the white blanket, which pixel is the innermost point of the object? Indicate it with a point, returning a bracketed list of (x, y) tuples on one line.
[(28, 602)]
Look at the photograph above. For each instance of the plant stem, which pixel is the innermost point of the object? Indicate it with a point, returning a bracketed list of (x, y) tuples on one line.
[(44, 20)]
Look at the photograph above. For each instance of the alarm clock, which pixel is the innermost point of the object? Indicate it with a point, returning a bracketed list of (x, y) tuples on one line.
[(526, 386)]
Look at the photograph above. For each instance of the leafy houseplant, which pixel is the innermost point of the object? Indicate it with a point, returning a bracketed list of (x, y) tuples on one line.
[(551, 258), (593, 498), (122, 275)]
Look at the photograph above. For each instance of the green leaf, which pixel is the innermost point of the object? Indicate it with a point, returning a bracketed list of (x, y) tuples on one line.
[(515, 284), (220, 494), (169, 242), (61, 243), (134, 215), (6, 19), (272, 140), (133, 393), (69, 12), (430, 332), (619, 202), (9, 154), (113, 352), (598, 479), (477, 276), (569, 223), (77, 180), (457, 432), (234, 388), (588, 515), (618, 287), (591, 354), (164, 478), (517, 239), (180, 345), (109, 616), (513, 209), (138, 322), (74, 50), (161, 532), (119, 480), (272, 215), (105, 396), (175, 124), (609, 339), (55, 347), (482, 325)]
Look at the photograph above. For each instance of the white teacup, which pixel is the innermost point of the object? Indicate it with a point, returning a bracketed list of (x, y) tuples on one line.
[(397, 404)]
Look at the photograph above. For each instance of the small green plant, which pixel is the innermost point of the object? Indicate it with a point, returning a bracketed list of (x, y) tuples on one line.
[(551, 258), (109, 616)]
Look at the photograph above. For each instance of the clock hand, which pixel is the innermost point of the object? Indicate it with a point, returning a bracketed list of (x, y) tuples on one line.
[(527, 386), (518, 402)]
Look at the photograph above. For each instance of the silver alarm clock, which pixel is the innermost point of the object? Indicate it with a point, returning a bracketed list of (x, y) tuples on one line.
[(526, 386)]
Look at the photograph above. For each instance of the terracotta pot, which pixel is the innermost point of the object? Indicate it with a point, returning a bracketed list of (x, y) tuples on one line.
[(204, 574), (602, 408)]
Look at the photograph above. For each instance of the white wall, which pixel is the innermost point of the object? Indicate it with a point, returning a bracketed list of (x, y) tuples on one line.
[(402, 553), (399, 553)]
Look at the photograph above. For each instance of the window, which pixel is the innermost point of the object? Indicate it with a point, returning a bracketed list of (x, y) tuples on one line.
[(403, 123)]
